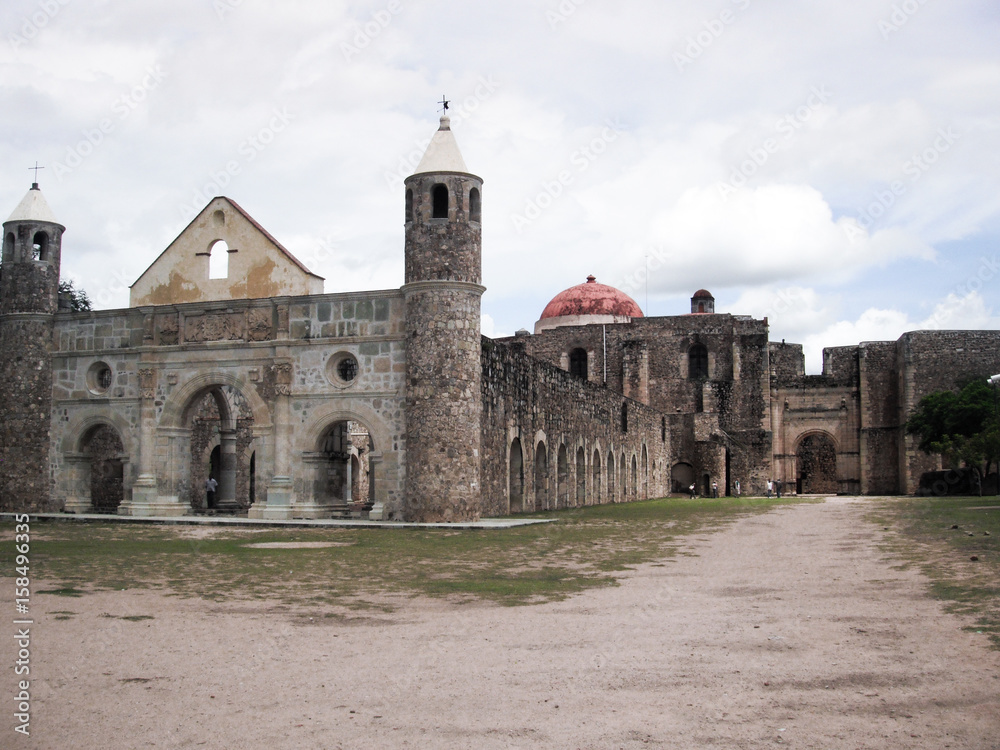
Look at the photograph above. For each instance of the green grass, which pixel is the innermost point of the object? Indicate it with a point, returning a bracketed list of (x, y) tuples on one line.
[(941, 535), (586, 547)]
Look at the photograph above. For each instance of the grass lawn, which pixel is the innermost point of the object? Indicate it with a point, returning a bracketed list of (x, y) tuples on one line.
[(956, 542), (524, 565)]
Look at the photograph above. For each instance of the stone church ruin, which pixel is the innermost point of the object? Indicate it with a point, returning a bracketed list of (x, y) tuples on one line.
[(231, 362)]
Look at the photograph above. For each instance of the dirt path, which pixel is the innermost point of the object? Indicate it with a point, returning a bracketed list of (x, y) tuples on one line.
[(787, 629)]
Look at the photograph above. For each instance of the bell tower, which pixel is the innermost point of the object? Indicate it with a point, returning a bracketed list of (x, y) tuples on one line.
[(443, 219), (29, 298)]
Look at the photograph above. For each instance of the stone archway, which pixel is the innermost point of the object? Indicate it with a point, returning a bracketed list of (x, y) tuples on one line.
[(541, 477), (562, 481), (816, 460), (516, 477), (220, 430), (681, 478), (105, 457)]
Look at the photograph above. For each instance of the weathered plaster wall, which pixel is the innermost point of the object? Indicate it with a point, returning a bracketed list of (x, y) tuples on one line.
[(258, 265)]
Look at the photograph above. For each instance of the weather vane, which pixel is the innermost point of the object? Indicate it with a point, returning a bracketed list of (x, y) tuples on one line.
[(444, 104), (36, 168)]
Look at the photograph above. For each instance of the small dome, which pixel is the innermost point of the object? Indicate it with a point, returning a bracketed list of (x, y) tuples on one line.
[(587, 303), (702, 302)]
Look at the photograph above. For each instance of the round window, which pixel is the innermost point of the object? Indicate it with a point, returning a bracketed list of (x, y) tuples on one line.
[(99, 378), (342, 369)]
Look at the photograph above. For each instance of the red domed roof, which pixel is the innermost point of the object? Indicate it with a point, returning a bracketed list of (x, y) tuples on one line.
[(702, 293), (591, 298)]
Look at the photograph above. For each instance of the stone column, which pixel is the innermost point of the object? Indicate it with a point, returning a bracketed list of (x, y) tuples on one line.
[(146, 499), (349, 469), (280, 492), (225, 497)]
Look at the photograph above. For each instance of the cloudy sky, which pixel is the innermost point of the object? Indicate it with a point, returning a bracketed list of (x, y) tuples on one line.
[(833, 165)]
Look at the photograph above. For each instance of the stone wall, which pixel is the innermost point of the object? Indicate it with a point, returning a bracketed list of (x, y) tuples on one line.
[(274, 360), (542, 406)]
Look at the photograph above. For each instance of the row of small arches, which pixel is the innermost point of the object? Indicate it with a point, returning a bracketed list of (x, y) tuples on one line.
[(619, 478), (440, 198)]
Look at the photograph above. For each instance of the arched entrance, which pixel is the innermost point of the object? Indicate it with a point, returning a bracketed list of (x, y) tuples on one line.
[(105, 454), (515, 484), (610, 481), (645, 474), (342, 471), (562, 487), (595, 483), (581, 477), (541, 477), (681, 478), (221, 439), (816, 459)]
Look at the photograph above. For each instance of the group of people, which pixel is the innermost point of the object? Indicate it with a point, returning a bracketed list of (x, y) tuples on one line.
[(773, 487)]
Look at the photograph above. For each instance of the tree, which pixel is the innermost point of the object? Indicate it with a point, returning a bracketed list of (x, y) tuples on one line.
[(962, 427), (78, 298)]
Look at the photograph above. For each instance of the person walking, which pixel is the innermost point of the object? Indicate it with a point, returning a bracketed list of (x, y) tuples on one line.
[(715, 489), (210, 487), (691, 490), (736, 487), (770, 487), (777, 487)]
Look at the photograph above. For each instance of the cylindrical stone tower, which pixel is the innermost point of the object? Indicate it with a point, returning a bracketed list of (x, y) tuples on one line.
[(443, 344), (29, 298)]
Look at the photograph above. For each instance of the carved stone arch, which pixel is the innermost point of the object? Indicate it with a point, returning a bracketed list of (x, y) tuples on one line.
[(815, 432), (325, 417), (81, 425), (178, 403), (816, 470)]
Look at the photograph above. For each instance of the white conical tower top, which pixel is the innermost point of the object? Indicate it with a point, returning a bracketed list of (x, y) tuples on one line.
[(34, 207), (442, 154)]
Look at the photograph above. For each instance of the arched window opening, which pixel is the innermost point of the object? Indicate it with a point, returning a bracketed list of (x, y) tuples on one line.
[(578, 363), (8, 245), (516, 480), (701, 307), (40, 246), (625, 417), (634, 486), (218, 262), (623, 478), (595, 485), (541, 478), (562, 478), (409, 205), (698, 362), (439, 201), (475, 210)]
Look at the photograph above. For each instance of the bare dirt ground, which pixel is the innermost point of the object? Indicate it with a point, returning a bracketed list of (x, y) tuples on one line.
[(786, 629)]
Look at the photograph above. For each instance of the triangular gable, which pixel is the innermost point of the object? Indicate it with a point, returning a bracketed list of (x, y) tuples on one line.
[(258, 265)]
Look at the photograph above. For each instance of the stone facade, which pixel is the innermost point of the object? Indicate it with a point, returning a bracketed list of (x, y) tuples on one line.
[(391, 403)]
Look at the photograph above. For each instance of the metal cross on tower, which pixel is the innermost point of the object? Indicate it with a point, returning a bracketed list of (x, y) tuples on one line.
[(36, 168), (444, 104)]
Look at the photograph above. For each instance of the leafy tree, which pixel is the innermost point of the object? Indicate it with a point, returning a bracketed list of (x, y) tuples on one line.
[(78, 298), (963, 427)]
